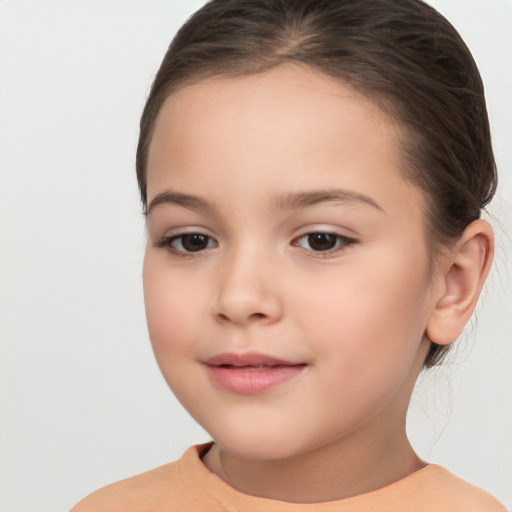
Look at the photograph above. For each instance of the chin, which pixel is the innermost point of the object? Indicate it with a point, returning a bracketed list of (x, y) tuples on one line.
[(257, 443)]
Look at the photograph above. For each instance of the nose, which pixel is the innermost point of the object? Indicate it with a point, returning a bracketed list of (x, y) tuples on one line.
[(247, 292)]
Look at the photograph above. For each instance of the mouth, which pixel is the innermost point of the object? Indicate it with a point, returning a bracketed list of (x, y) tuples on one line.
[(250, 373)]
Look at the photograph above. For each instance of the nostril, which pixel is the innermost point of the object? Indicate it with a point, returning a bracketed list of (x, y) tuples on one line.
[(258, 316), (247, 318)]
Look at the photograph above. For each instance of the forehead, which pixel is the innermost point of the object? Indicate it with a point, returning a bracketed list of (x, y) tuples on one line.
[(290, 126), (289, 101)]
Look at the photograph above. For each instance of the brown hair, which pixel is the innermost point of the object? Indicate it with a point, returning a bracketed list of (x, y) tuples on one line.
[(402, 54)]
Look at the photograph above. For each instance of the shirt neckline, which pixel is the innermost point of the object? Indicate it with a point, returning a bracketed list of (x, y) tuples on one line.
[(192, 457)]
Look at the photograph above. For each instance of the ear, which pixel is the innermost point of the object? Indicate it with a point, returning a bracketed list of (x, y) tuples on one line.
[(460, 280)]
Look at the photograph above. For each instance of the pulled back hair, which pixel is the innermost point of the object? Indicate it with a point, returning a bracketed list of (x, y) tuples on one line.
[(401, 54)]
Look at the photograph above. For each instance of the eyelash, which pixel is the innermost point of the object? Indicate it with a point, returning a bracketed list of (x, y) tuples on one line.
[(167, 241), (342, 242)]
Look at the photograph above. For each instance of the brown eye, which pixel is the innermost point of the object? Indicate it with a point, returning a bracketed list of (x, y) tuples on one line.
[(322, 242), (187, 243), (194, 242)]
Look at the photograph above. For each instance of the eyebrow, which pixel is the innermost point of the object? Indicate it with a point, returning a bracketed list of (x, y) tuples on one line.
[(288, 201), (186, 200), (304, 199)]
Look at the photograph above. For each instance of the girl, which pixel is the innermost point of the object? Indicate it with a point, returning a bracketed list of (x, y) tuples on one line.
[(313, 174)]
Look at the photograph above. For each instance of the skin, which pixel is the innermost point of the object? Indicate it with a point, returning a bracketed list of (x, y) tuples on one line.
[(356, 315)]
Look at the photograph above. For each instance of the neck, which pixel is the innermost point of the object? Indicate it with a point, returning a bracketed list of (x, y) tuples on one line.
[(357, 464)]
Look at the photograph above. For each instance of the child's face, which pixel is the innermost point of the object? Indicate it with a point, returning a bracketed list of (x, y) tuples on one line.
[(268, 160)]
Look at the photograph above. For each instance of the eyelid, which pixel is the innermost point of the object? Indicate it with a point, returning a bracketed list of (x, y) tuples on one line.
[(329, 229)]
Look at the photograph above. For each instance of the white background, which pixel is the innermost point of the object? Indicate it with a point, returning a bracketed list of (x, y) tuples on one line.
[(82, 402)]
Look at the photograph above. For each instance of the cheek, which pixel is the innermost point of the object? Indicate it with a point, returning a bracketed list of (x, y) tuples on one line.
[(172, 307), (372, 316), (173, 311), (176, 307)]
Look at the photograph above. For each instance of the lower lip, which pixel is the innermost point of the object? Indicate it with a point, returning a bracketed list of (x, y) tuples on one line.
[(251, 381)]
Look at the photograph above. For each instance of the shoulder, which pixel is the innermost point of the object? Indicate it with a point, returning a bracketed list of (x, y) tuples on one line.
[(130, 494), (144, 491), (454, 493)]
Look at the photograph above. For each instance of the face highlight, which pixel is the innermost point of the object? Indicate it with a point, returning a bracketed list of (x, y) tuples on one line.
[(279, 225)]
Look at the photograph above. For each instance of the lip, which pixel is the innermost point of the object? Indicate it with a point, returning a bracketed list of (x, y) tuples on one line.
[(246, 359), (240, 373)]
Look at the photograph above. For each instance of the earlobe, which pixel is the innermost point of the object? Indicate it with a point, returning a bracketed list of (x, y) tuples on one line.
[(462, 282)]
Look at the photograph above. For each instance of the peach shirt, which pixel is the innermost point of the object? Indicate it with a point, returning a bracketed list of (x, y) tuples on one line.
[(187, 486)]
